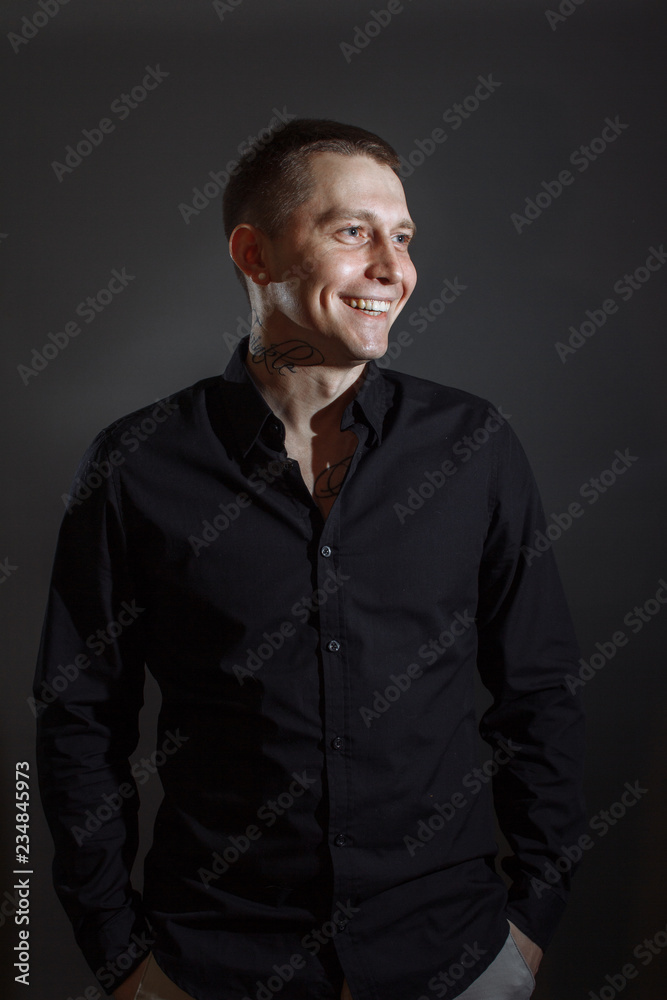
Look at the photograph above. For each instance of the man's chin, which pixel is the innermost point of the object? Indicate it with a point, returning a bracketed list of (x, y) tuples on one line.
[(352, 348), (370, 348)]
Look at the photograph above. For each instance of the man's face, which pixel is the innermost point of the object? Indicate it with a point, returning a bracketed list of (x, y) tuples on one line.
[(345, 260)]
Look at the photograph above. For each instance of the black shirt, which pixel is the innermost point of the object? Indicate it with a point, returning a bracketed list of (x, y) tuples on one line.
[(325, 808)]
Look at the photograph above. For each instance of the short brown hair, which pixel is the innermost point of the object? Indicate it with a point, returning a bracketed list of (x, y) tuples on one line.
[(272, 179)]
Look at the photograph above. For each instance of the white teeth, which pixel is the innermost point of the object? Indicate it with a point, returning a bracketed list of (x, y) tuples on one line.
[(374, 306)]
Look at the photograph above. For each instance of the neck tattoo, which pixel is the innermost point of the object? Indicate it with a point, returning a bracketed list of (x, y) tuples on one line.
[(289, 354)]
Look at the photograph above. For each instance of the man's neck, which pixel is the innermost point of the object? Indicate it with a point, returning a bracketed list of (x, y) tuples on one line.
[(306, 393)]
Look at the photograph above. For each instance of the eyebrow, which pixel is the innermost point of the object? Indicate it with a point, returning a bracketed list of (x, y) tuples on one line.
[(363, 213)]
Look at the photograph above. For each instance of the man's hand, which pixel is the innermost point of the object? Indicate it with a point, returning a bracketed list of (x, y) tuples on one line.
[(127, 989), (531, 952)]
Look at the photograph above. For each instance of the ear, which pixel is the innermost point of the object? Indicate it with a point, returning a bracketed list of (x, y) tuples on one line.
[(246, 248)]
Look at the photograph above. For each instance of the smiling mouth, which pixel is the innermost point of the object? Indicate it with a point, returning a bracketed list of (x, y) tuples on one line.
[(372, 307)]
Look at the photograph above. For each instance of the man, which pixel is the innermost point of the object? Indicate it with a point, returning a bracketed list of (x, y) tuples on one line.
[(312, 555)]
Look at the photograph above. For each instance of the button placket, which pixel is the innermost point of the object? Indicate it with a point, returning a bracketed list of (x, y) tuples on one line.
[(332, 624)]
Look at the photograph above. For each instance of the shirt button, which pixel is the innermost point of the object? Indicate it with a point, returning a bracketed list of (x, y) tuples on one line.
[(288, 464), (341, 840), (325, 551), (341, 923), (337, 743), (333, 646)]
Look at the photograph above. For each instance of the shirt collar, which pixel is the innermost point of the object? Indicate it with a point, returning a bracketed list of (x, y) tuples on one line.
[(250, 414)]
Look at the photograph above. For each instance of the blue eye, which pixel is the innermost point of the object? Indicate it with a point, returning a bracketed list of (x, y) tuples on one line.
[(353, 230)]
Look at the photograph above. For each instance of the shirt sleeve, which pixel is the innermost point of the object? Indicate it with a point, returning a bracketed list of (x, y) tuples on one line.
[(526, 648), (88, 691)]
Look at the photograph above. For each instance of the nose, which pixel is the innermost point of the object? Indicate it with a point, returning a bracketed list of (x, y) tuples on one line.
[(383, 265)]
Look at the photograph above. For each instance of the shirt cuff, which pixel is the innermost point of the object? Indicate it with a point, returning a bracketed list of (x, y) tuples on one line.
[(115, 946), (536, 910)]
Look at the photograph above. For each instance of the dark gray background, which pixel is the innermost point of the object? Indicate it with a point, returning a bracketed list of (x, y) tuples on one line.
[(120, 208)]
